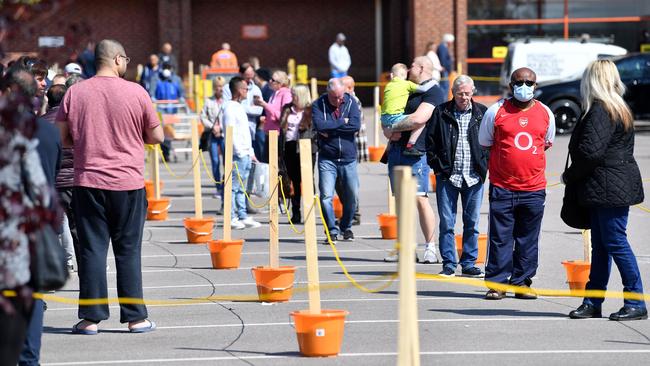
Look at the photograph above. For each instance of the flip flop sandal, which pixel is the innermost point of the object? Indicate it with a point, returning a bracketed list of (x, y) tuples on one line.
[(151, 327), (77, 330), (495, 295)]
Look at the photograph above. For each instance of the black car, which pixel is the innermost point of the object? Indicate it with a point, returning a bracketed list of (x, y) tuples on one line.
[(564, 98)]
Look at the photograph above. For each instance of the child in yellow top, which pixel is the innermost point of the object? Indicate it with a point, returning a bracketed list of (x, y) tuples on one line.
[(396, 94)]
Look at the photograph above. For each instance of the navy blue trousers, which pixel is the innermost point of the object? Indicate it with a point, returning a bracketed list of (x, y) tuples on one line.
[(117, 217), (515, 223), (609, 241)]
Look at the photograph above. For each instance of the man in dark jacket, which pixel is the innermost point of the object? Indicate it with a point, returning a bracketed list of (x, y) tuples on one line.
[(460, 164), (336, 119)]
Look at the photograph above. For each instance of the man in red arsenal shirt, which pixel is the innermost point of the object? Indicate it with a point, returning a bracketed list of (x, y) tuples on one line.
[(517, 130)]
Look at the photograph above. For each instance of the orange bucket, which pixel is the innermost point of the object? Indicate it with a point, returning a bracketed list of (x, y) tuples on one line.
[(375, 152), (577, 274), (198, 230), (274, 284), (482, 247), (387, 225), (432, 180), (157, 209), (319, 334), (225, 254), (148, 187), (338, 207)]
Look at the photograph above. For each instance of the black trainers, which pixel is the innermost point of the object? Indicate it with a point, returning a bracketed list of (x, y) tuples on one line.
[(447, 272), (586, 311), (348, 235), (411, 151), (334, 238), (472, 272)]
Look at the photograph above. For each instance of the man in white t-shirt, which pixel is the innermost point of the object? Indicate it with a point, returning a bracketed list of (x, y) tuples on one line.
[(234, 114), (339, 57)]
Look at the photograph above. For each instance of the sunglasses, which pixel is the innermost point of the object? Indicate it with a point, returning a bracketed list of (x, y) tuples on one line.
[(274, 81), (522, 82)]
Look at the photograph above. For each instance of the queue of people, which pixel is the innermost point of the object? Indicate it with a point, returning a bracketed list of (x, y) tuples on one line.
[(90, 158)]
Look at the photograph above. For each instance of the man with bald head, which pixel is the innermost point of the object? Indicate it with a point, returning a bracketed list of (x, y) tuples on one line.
[(517, 131), (335, 117), (166, 56), (107, 120), (419, 108)]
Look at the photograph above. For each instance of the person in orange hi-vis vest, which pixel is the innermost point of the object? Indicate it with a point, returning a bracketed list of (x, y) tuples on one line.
[(224, 58)]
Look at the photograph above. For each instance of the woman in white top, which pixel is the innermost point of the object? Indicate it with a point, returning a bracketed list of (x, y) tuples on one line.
[(431, 54), (295, 123)]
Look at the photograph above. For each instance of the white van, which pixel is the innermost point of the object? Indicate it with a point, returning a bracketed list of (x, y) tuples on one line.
[(554, 60)]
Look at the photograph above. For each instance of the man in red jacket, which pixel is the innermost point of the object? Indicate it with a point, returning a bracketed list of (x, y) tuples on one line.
[(517, 130)]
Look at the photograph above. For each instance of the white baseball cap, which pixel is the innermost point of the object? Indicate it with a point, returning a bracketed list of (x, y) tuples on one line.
[(72, 68)]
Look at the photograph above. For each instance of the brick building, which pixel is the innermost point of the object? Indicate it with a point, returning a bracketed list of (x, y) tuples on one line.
[(302, 29)]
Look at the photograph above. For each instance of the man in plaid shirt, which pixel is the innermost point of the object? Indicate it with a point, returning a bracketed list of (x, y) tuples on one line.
[(460, 164)]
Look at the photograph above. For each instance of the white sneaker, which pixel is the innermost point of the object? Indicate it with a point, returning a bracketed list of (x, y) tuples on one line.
[(394, 257), (430, 255), (237, 224), (250, 222)]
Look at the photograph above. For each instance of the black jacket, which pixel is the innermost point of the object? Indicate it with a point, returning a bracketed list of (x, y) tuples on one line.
[(602, 162), (442, 138)]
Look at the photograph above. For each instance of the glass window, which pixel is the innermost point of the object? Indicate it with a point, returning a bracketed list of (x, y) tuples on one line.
[(632, 68)]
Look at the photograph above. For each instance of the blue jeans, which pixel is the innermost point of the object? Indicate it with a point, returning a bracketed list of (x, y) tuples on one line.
[(515, 223), (418, 164), (447, 199), (328, 171), (609, 240), (31, 353), (238, 209), (259, 146), (216, 145)]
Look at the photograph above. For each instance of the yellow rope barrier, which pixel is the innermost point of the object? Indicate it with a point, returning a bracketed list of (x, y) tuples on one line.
[(284, 199), (169, 169), (338, 259), (209, 173), (246, 193)]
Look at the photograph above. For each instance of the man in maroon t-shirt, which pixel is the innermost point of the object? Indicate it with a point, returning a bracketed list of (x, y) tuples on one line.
[(108, 120), (517, 130)]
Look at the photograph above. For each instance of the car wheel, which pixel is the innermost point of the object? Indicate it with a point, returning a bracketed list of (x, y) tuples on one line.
[(567, 112)]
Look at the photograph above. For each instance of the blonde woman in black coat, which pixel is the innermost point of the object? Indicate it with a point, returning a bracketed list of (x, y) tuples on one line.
[(609, 182)]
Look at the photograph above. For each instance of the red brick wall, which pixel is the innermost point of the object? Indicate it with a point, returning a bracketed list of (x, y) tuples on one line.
[(433, 18), (133, 23), (303, 30)]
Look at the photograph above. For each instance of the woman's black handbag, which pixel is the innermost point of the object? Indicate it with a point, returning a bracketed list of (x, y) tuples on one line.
[(203, 141), (49, 271), (572, 213)]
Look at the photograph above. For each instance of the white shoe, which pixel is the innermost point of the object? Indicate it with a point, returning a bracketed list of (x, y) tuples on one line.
[(430, 255), (250, 222), (237, 224), (394, 257)]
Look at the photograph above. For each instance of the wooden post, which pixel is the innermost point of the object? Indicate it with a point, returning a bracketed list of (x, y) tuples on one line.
[(229, 173), (190, 78), (391, 200), (291, 70), (309, 209), (155, 171), (274, 246), (586, 241), (314, 89), (197, 93), (408, 338), (198, 203), (376, 116)]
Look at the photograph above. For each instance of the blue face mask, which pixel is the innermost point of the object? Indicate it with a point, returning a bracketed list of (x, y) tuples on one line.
[(523, 93)]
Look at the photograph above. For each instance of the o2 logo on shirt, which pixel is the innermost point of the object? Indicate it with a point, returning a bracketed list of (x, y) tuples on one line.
[(528, 138)]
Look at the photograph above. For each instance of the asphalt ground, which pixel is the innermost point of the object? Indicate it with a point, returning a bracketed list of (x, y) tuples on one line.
[(456, 326)]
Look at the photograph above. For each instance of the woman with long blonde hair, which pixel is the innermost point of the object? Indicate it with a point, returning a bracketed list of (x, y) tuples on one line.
[(608, 182), (295, 124)]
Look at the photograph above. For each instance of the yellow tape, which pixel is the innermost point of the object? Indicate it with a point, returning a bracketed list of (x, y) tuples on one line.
[(284, 199), (169, 169), (338, 259), (246, 193)]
